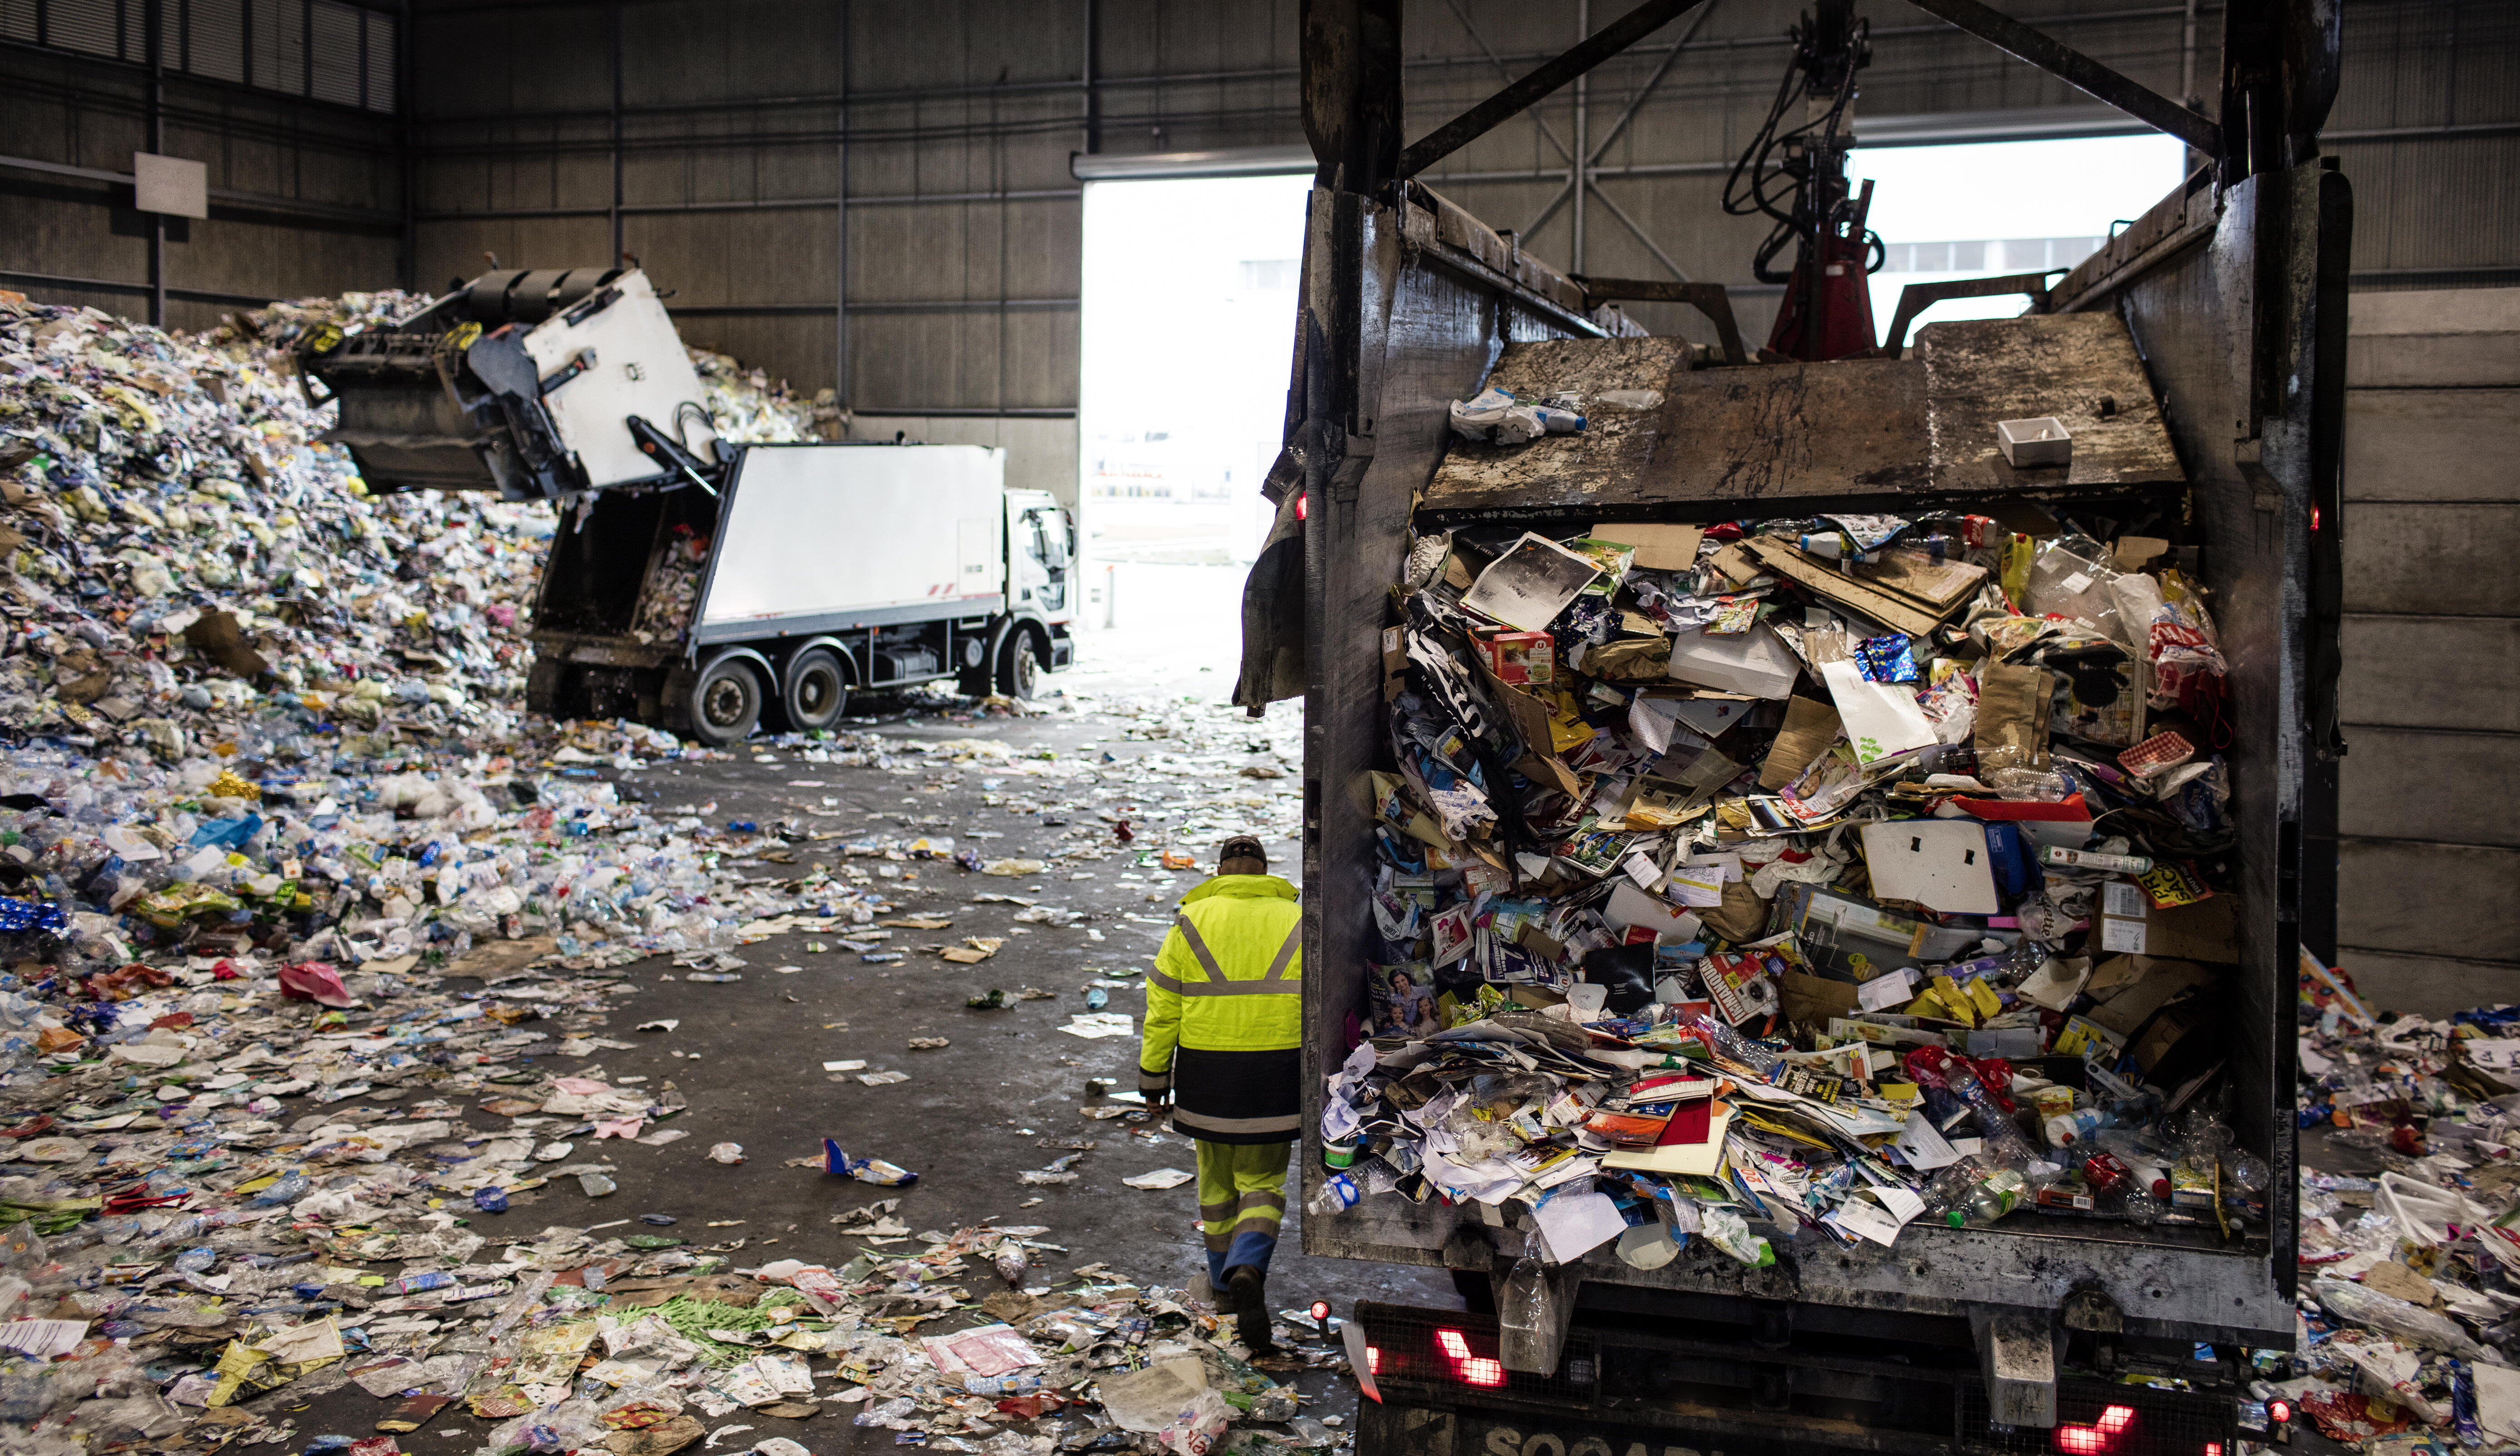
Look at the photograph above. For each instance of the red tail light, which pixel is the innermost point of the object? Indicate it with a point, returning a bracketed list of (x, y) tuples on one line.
[(2213, 1449), (1321, 1313), (1373, 1359), (2101, 1436), (1485, 1371), (2280, 1411), (1304, 506)]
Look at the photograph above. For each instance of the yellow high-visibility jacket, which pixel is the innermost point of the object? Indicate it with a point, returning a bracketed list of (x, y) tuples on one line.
[(1225, 1019)]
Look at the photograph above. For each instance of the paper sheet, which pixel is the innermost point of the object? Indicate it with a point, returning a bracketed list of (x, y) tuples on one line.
[(1878, 1221), (49, 1339), (1698, 886), (1889, 988), (1572, 1226), (1528, 586), (1925, 1146), (1148, 1399), (1882, 720), (2497, 1398)]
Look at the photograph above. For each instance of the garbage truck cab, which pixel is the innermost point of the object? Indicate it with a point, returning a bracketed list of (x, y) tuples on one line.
[(702, 586)]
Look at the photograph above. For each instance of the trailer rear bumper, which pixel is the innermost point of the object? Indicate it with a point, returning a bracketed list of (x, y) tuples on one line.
[(1680, 1387)]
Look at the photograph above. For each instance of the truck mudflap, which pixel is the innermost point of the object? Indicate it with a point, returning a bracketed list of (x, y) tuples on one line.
[(1620, 1390)]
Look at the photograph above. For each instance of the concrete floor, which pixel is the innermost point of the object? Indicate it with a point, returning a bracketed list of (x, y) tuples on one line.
[(999, 1100)]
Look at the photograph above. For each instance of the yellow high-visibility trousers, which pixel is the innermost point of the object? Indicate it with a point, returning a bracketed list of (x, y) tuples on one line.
[(1241, 1202)]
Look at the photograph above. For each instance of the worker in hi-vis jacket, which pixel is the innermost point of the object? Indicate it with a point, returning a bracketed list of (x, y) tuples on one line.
[(1224, 1044)]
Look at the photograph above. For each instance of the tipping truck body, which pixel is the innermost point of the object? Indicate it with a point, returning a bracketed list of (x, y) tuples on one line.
[(2223, 306), (700, 585)]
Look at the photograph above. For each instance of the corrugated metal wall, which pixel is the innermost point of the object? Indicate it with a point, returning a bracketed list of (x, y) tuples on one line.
[(305, 194), (952, 123), (2429, 854)]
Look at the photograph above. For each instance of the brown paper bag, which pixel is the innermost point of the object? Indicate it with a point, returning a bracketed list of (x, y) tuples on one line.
[(1631, 659), (2012, 713), (1742, 917)]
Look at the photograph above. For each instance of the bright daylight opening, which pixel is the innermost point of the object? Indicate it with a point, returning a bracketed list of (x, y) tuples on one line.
[(1187, 334), (1994, 207)]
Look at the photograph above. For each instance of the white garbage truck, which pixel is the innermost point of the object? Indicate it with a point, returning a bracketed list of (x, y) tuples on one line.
[(702, 586)]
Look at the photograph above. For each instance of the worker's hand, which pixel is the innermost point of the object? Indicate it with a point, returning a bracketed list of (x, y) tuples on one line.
[(1159, 1102)]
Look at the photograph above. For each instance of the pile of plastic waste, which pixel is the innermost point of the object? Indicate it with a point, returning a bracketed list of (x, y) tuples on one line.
[(1824, 874), (238, 1258), (270, 780), (2410, 1225)]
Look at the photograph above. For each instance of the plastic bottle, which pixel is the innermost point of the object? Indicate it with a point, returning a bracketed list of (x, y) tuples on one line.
[(290, 1188), (1994, 1193), (1001, 1385), (2005, 1143), (1339, 1194)]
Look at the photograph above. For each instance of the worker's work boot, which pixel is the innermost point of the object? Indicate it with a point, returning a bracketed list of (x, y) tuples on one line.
[(1250, 1306)]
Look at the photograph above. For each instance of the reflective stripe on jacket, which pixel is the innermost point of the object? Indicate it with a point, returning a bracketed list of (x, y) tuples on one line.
[(1224, 1027)]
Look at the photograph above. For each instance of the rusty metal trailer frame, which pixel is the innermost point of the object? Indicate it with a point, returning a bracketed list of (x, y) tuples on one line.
[(2233, 291)]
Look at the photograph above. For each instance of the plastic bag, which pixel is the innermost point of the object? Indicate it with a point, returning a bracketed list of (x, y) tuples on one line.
[(2392, 1316), (1199, 1425)]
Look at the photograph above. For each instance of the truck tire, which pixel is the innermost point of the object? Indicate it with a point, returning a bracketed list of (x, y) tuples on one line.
[(816, 690), (1018, 666), (726, 702)]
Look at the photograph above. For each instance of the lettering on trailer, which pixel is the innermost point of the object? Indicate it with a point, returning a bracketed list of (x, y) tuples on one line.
[(1504, 1440)]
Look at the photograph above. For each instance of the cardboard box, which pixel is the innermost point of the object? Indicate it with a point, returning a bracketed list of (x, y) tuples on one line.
[(2129, 923), (2130, 989), (1525, 659), (1757, 663)]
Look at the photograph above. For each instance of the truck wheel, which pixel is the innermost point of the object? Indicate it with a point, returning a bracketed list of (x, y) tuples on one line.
[(817, 690), (1019, 669), (726, 702)]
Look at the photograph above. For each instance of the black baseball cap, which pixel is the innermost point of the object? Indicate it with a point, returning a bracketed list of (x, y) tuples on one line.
[(1241, 847)]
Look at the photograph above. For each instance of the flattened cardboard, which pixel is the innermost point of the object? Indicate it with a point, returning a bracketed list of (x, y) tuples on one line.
[(1810, 727), (1940, 865), (2132, 552), (1811, 1001), (2129, 989), (1934, 586), (2205, 931), (1736, 563), (1823, 579), (1659, 548)]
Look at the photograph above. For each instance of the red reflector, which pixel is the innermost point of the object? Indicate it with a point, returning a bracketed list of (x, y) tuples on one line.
[(1304, 506), (2280, 1411), (1484, 1370), (1373, 1359), (1322, 1313), (2313, 517), (2117, 1418)]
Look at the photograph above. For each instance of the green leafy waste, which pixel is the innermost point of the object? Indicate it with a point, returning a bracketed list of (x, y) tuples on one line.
[(693, 1319)]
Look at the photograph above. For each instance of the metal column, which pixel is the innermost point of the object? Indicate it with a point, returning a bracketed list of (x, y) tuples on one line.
[(153, 35), (840, 220)]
